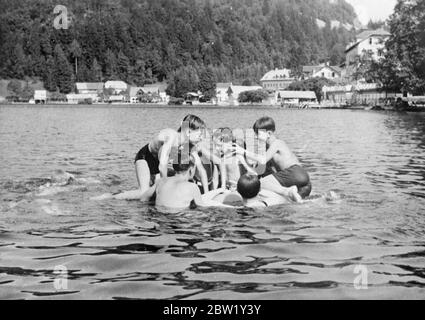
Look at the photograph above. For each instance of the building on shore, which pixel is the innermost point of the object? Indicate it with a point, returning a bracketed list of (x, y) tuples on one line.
[(86, 98), (117, 86), (135, 94), (89, 87), (364, 94), (278, 79), (297, 98), (323, 70), (40, 96), (371, 42), (119, 98), (153, 93), (222, 95)]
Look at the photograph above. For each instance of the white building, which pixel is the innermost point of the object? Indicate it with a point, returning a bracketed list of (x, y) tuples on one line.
[(371, 41), (76, 98), (222, 95), (278, 79), (156, 91), (117, 86), (322, 71), (89, 87), (296, 97), (40, 96), (357, 94)]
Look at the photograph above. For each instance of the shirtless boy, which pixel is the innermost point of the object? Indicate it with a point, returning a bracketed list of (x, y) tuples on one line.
[(285, 175)]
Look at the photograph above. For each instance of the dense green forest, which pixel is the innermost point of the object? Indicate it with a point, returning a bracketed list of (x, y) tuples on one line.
[(144, 41)]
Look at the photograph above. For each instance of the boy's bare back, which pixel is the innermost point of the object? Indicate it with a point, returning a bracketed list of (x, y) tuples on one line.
[(175, 193), (283, 157)]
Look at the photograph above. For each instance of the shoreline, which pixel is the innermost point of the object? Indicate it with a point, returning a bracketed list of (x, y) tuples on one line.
[(166, 106), (197, 106)]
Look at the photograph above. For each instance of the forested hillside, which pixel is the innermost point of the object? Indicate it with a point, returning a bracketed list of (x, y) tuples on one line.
[(143, 41)]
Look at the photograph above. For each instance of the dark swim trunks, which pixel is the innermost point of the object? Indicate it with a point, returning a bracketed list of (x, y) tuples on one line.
[(153, 162), (295, 176)]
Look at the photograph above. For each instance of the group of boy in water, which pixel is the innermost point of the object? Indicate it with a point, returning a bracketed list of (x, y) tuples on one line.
[(182, 169)]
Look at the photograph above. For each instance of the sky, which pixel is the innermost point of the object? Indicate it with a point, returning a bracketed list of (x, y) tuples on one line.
[(373, 9)]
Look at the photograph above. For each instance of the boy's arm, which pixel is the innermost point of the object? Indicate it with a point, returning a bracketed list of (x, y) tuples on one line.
[(261, 159), (207, 197), (147, 195), (207, 202), (246, 166), (202, 171), (164, 156)]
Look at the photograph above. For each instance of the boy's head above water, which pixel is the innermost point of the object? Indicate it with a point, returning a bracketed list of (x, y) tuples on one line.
[(264, 128), (193, 127), (182, 162), (249, 186)]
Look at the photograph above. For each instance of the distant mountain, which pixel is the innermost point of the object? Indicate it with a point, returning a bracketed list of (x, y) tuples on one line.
[(142, 41)]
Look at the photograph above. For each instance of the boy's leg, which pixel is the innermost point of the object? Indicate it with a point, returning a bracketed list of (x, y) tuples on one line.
[(143, 175), (272, 184)]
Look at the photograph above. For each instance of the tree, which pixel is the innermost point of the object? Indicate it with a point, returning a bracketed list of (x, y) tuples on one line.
[(123, 66), (15, 87), (63, 71), (27, 92), (17, 62), (76, 52), (253, 96), (403, 65), (110, 65), (185, 80), (96, 71), (208, 83), (49, 78)]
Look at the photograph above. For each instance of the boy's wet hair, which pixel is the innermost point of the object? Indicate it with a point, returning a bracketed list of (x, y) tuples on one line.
[(182, 160), (193, 123), (249, 186), (265, 124)]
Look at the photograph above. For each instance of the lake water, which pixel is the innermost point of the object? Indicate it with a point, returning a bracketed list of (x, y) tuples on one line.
[(374, 162)]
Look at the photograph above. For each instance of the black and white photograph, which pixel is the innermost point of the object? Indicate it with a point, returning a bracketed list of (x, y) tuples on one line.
[(212, 150)]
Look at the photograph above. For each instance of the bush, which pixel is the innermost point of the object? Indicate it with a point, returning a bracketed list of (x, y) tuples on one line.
[(253, 96), (176, 101)]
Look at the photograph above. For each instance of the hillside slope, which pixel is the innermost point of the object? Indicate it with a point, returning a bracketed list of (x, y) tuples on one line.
[(142, 41)]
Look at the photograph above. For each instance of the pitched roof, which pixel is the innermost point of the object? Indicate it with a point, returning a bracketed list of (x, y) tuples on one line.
[(314, 69), (236, 90), (161, 86), (366, 35), (134, 91), (369, 33), (116, 84), (150, 89), (223, 85), (277, 74), (297, 94), (89, 85)]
